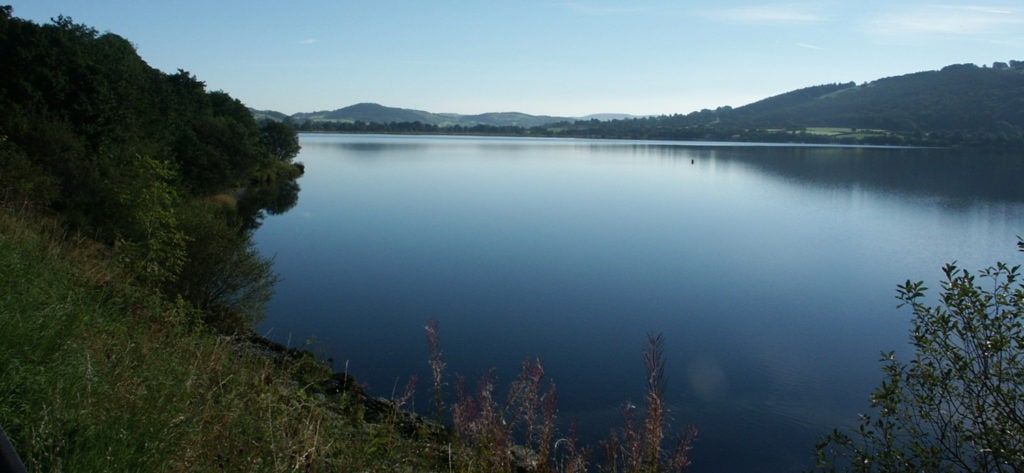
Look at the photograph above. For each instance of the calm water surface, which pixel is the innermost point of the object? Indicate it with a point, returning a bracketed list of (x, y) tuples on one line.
[(771, 271)]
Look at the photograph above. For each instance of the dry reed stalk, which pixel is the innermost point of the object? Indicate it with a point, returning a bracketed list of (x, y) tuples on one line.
[(433, 331), (653, 434), (639, 446), (529, 413)]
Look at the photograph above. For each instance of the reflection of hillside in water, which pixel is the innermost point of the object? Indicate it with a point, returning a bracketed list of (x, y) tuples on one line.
[(955, 176), (770, 269)]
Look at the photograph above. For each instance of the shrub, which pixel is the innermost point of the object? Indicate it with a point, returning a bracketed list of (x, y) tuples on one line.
[(958, 405), (223, 275)]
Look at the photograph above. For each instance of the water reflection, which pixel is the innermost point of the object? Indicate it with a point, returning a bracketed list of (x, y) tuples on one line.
[(955, 175), (770, 270), (273, 199), (958, 176)]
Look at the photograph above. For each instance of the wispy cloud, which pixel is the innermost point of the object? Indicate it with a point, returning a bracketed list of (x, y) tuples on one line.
[(810, 46), (309, 41), (947, 20), (780, 13)]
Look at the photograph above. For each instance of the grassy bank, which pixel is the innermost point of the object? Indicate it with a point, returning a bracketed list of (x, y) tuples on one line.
[(98, 375)]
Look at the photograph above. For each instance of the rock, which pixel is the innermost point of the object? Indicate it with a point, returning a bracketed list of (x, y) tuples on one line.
[(524, 459), (340, 383)]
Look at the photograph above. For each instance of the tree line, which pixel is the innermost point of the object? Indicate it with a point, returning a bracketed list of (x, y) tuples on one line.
[(682, 128), (961, 105)]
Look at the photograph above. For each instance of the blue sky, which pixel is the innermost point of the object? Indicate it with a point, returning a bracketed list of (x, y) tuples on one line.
[(568, 58)]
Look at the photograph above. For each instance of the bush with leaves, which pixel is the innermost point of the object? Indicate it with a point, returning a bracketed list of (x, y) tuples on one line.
[(958, 405), (223, 275)]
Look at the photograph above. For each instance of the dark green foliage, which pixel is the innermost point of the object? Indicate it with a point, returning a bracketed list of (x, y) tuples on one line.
[(128, 155), (957, 98), (958, 106), (280, 140), (23, 180), (69, 94), (224, 276), (958, 405), (785, 104), (274, 199), (138, 204)]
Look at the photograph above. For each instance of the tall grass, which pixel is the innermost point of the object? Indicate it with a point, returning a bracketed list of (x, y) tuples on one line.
[(98, 375), (518, 432)]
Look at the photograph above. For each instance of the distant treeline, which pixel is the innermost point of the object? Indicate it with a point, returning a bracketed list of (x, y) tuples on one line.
[(661, 128), (961, 105)]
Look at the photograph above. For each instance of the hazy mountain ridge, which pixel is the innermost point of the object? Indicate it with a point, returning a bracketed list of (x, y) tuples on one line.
[(376, 113), (960, 104)]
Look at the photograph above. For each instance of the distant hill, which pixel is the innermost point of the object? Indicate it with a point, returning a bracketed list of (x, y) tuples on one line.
[(959, 105), (376, 113), (509, 119), (370, 113), (268, 115), (962, 97)]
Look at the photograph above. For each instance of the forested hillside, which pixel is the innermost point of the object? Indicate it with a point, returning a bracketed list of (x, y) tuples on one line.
[(964, 98), (959, 105), (133, 157)]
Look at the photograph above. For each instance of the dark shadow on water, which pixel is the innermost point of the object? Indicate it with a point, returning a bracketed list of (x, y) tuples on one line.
[(954, 175), (258, 202), (773, 288)]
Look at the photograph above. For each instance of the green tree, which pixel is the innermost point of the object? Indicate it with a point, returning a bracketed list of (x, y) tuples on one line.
[(138, 206), (280, 140), (958, 405)]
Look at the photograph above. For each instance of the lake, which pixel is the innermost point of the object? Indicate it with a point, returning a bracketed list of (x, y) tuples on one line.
[(770, 270)]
